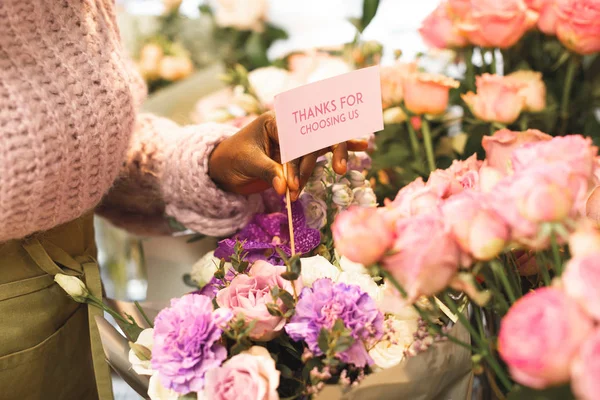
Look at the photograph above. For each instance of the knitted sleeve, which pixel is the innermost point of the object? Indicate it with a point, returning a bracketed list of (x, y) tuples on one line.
[(166, 174)]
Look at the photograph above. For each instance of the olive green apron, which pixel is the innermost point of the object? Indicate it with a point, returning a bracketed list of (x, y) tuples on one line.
[(49, 345)]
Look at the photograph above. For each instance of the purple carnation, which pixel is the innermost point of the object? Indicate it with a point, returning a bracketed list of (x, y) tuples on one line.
[(326, 302), (268, 232), (185, 342)]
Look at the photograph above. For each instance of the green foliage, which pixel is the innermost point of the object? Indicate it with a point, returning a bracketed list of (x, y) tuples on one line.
[(556, 393), (368, 13)]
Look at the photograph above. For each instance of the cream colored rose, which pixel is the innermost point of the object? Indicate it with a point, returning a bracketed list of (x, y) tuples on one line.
[(317, 267), (390, 351), (156, 391), (365, 282), (149, 61), (270, 81), (204, 269), (174, 68), (245, 15), (141, 354), (73, 286)]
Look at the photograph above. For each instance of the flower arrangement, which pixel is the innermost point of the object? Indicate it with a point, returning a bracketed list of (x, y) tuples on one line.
[(511, 233)]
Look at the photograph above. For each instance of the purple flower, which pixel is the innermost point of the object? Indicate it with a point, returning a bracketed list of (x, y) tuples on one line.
[(326, 302), (185, 342), (267, 232), (359, 161)]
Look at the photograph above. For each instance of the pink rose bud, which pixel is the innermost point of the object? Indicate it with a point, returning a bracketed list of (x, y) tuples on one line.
[(579, 280), (534, 90), (360, 234), (578, 25), (493, 23), (479, 231), (500, 146), (498, 99), (428, 93), (586, 369), (540, 336), (438, 30), (424, 257)]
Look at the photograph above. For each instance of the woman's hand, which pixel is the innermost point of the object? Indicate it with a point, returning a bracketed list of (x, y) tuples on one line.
[(248, 162)]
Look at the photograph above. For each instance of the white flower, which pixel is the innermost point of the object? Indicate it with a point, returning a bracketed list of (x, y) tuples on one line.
[(364, 197), (357, 179), (244, 15), (205, 268), (268, 82), (317, 267), (342, 194), (394, 115), (328, 68), (73, 286), (365, 282), (316, 188), (351, 266), (156, 391), (141, 363), (315, 211), (398, 338)]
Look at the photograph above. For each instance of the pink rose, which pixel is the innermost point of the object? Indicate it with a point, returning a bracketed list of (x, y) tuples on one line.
[(586, 369), (424, 257), (438, 30), (249, 375), (361, 235), (492, 23), (392, 82), (500, 146), (413, 199), (489, 178), (534, 90), (592, 205), (250, 294), (580, 281), (478, 230), (458, 8), (462, 174), (578, 25), (498, 99), (547, 15), (426, 93), (585, 240), (540, 336)]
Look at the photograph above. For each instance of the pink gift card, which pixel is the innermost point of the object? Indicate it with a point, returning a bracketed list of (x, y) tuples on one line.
[(328, 112)]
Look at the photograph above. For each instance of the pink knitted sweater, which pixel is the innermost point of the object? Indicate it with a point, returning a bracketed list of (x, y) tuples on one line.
[(70, 136)]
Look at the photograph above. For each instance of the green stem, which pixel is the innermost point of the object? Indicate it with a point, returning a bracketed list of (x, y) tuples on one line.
[(566, 97), (541, 262), (141, 310), (556, 255), (481, 343), (524, 122), (428, 144), (414, 141), (96, 302), (493, 64), (499, 272), (470, 74)]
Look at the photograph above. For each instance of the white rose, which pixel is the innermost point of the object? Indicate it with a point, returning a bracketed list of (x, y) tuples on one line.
[(317, 267), (244, 15), (142, 365), (73, 286), (365, 282), (270, 81), (204, 269), (351, 266), (390, 352), (328, 68), (156, 391)]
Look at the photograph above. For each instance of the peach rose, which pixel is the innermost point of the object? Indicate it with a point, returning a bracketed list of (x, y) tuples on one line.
[(241, 14), (174, 68), (413, 199), (493, 23), (424, 257), (392, 82), (315, 66), (498, 99), (361, 235), (439, 31), (458, 8), (534, 90), (579, 280), (500, 146), (426, 93), (586, 369), (578, 25), (540, 337), (585, 240), (547, 15)]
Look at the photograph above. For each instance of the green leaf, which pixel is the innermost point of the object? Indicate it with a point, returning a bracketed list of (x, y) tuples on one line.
[(275, 291), (339, 326), (556, 393), (295, 265), (287, 299), (357, 22), (369, 11), (286, 371), (274, 310), (290, 276), (273, 33), (323, 340), (343, 344), (282, 254), (256, 50), (205, 9)]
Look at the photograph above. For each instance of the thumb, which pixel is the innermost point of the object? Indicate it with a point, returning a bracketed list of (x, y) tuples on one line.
[(264, 168)]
